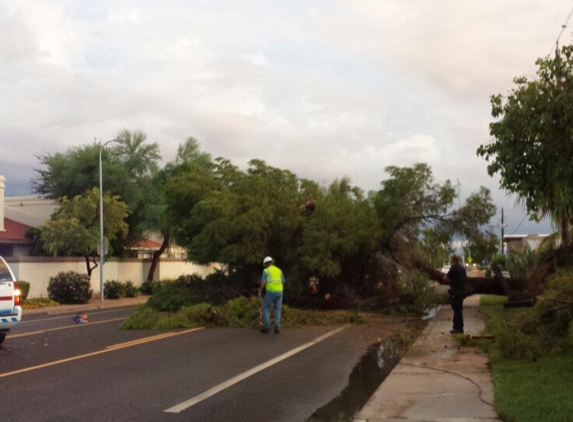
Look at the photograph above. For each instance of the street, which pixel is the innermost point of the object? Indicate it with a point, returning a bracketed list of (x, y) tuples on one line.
[(54, 369)]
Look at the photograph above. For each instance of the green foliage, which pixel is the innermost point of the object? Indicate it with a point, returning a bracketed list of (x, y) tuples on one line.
[(114, 289), (410, 198), (483, 246), (529, 333), (531, 145), (127, 169), (500, 260), (130, 290), (171, 296), (243, 312), (530, 384), (240, 312), (74, 229), (340, 237), (554, 310), (520, 263), (506, 326), (413, 294), (24, 289), (434, 247), (148, 286), (70, 288)]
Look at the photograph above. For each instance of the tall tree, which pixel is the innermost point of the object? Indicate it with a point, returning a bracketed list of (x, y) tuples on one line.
[(180, 184), (74, 229), (532, 141), (127, 171)]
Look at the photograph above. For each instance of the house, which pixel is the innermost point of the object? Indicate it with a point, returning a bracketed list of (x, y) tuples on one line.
[(13, 241), (17, 215), (520, 242)]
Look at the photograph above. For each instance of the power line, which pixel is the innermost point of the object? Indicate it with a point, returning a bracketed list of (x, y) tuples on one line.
[(556, 44), (519, 225)]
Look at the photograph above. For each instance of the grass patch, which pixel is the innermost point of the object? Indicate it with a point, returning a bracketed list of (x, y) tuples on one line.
[(532, 378), (534, 391)]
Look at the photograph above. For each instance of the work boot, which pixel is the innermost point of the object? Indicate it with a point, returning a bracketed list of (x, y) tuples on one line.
[(277, 330), (265, 330)]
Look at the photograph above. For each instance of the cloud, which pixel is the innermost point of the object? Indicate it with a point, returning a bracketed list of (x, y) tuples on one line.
[(324, 89)]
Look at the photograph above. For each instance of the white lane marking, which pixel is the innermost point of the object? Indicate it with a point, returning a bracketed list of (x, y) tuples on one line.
[(224, 385)]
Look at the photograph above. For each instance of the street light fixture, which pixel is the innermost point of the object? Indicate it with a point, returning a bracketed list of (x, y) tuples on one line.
[(101, 243)]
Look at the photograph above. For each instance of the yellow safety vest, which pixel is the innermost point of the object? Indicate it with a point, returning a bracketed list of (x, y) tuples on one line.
[(274, 279)]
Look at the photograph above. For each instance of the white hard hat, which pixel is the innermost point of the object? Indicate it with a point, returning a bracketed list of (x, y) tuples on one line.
[(267, 259)]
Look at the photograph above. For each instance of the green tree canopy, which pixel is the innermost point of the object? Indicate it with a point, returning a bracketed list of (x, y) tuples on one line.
[(127, 169), (409, 200), (532, 141), (74, 229)]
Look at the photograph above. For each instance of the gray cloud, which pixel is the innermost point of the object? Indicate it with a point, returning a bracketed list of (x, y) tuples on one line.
[(324, 89)]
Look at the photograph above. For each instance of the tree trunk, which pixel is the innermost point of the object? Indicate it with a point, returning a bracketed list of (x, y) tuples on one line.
[(564, 231), (477, 285), (157, 256), (88, 267)]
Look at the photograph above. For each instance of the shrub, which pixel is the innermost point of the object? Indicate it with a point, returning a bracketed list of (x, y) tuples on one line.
[(113, 289), (70, 288), (146, 287), (24, 288), (130, 290), (520, 263)]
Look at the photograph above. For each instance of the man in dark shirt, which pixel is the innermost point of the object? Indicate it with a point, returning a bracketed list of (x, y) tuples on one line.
[(457, 279)]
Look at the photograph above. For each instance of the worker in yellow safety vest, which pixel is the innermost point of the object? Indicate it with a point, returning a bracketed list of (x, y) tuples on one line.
[(272, 283)]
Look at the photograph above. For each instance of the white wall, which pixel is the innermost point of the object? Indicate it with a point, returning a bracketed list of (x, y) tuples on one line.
[(38, 270)]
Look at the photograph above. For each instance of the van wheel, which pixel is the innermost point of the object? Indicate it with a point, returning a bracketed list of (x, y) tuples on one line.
[(2, 337)]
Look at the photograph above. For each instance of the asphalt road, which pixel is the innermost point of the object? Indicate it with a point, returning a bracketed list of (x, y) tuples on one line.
[(52, 369)]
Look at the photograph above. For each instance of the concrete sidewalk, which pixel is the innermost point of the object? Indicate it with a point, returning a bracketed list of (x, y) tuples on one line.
[(437, 380)]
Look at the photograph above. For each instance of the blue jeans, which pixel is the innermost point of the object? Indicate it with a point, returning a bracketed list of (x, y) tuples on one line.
[(275, 299)]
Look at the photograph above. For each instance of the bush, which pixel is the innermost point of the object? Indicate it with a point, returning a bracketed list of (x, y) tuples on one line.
[(146, 287), (70, 288), (24, 288), (187, 290), (519, 264), (113, 289), (130, 290)]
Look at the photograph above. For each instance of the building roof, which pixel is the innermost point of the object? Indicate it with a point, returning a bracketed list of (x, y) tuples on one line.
[(146, 244), (14, 231)]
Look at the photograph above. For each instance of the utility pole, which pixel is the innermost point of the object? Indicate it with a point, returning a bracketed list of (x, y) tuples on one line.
[(502, 227), (462, 241)]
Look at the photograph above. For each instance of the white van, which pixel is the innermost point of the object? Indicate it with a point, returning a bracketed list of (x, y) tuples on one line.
[(10, 300)]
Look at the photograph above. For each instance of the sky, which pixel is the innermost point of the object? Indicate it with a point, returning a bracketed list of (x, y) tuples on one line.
[(323, 88)]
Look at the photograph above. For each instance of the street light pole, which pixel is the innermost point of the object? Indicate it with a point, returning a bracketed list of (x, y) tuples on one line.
[(101, 240)]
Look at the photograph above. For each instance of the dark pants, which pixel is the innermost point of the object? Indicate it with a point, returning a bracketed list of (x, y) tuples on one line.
[(458, 307)]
